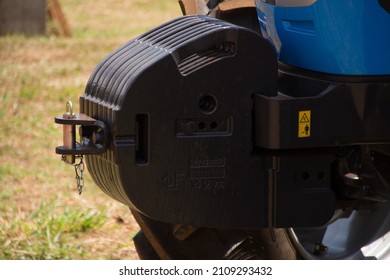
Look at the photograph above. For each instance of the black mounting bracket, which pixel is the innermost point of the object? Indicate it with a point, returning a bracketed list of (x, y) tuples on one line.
[(93, 134)]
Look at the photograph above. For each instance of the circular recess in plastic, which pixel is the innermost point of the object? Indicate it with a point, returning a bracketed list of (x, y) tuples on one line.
[(208, 104)]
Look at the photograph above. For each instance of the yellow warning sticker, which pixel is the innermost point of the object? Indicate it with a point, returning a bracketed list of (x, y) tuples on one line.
[(304, 120)]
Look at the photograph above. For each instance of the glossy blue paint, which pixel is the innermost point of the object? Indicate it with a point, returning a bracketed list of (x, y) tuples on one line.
[(348, 37)]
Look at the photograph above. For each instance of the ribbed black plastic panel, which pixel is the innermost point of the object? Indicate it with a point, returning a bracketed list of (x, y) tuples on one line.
[(111, 79), (178, 103), (203, 58)]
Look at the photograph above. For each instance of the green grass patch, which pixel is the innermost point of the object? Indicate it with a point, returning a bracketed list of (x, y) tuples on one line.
[(49, 232)]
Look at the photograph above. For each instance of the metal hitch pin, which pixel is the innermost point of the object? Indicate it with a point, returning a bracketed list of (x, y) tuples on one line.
[(69, 133)]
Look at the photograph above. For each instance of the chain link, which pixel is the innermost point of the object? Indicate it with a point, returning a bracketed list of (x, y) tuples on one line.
[(79, 171)]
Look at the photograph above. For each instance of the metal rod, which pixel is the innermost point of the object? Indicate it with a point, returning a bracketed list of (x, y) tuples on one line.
[(69, 133)]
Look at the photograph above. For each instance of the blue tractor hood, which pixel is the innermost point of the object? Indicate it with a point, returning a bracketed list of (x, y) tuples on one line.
[(344, 37)]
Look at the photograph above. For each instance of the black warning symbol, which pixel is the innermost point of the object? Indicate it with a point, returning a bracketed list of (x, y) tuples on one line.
[(304, 119)]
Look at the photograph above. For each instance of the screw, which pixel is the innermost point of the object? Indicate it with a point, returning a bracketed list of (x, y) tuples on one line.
[(320, 249)]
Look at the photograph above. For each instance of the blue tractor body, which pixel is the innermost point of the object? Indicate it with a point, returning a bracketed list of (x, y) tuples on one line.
[(348, 37)]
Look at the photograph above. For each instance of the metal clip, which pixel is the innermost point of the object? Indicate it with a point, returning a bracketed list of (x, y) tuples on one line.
[(69, 111)]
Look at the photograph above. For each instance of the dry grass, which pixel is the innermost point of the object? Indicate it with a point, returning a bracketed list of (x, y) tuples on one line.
[(38, 198)]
